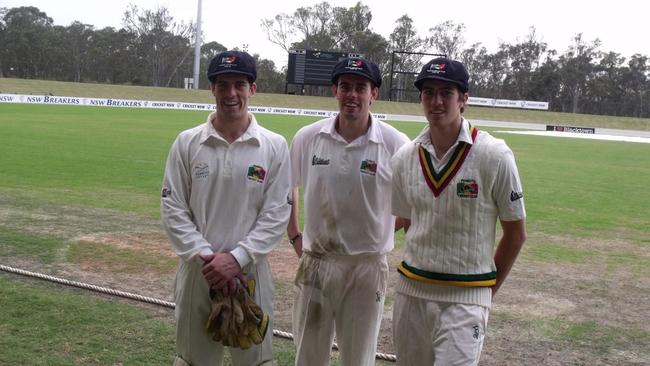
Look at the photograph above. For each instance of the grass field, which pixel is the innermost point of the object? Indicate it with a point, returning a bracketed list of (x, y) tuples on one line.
[(79, 196)]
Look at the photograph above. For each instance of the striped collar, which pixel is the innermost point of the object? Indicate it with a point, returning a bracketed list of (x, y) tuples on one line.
[(437, 181)]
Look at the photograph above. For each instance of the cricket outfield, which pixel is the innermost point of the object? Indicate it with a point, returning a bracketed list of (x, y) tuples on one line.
[(79, 198)]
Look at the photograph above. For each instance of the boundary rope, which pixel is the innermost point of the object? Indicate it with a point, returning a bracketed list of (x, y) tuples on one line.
[(150, 300)]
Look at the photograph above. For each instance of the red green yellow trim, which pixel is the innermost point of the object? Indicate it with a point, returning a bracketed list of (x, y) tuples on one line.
[(478, 280), (438, 181)]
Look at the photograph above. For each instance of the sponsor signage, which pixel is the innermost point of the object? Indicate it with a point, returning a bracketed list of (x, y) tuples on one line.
[(507, 103), (111, 102), (588, 130)]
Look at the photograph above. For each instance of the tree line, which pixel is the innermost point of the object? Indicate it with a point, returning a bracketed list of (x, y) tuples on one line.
[(153, 49), (150, 49)]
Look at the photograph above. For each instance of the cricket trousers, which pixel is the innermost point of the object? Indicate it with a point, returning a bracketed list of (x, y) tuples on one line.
[(194, 346), (342, 294), (437, 333)]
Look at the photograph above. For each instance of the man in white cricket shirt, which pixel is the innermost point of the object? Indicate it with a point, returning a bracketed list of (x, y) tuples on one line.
[(225, 207), (452, 182), (343, 165)]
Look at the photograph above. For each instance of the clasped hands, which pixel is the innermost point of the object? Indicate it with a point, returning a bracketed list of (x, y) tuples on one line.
[(222, 271)]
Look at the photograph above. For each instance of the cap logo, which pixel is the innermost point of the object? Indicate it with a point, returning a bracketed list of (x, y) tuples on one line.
[(229, 59), (438, 68), (356, 63)]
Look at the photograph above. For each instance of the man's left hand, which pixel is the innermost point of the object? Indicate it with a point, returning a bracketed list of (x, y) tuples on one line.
[(220, 269)]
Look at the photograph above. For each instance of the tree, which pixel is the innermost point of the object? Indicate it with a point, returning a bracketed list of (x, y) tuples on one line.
[(524, 58), (279, 30), (349, 24), (447, 37), (577, 69), (25, 37), (405, 38), (314, 23), (318, 27), (476, 60), (111, 57), (268, 79), (3, 29), (546, 81), (605, 92), (162, 45), (78, 37), (636, 81)]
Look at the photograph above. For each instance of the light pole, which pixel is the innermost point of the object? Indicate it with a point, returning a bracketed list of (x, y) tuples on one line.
[(197, 48)]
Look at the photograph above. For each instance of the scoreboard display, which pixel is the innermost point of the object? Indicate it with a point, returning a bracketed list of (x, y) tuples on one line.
[(308, 67)]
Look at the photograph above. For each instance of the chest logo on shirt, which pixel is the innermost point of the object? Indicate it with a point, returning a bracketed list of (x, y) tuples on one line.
[(201, 170), (315, 160), (467, 188), (256, 173), (369, 167)]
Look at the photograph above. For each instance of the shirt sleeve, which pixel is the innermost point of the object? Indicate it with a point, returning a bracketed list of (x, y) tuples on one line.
[(507, 191), (399, 203), (273, 216), (175, 210)]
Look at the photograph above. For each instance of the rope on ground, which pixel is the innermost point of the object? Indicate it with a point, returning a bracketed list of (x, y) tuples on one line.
[(150, 300)]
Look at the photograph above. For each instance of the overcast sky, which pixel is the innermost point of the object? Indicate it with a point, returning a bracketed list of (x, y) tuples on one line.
[(621, 25)]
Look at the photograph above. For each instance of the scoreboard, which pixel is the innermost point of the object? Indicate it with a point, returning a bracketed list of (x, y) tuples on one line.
[(308, 67)]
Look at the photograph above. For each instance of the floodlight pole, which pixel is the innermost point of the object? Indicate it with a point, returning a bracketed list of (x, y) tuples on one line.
[(197, 47)]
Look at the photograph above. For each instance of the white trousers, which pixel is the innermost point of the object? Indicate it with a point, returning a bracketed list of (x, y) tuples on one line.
[(194, 346), (342, 294), (427, 333)]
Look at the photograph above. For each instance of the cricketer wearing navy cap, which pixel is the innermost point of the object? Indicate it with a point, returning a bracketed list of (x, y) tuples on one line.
[(357, 66), (233, 62), (342, 164), (452, 184), (442, 68), (224, 207)]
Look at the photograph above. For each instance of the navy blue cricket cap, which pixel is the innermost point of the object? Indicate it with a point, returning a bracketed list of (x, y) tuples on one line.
[(442, 68), (357, 66), (232, 62)]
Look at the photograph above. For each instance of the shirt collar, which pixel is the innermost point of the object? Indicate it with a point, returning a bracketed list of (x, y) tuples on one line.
[(252, 133), (463, 136), (373, 134)]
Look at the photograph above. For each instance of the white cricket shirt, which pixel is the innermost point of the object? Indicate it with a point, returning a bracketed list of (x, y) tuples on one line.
[(346, 187), (220, 197)]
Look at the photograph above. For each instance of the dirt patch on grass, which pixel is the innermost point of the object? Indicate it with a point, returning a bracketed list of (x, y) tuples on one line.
[(68, 222), (154, 243)]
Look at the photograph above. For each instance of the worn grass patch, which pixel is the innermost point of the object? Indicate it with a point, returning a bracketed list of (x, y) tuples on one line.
[(20, 244), (553, 253), (592, 335), (99, 256), (636, 263)]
